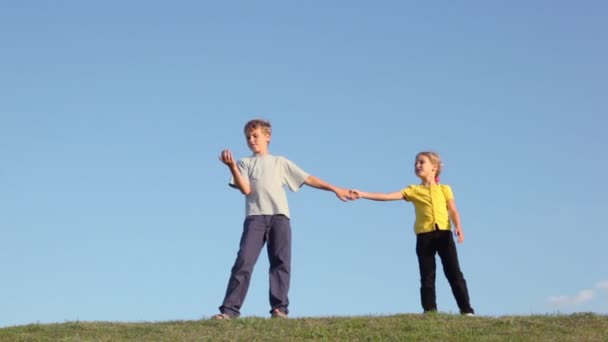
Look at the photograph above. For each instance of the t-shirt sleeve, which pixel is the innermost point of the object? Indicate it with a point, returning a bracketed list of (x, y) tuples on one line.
[(408, 193), (447, 192), (293, 176), (242, 170)]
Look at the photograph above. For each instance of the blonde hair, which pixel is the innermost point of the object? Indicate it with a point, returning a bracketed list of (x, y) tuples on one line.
[(258, 123), (435, 160)]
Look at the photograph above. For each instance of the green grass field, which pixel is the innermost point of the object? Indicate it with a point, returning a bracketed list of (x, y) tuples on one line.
[(409, 327)]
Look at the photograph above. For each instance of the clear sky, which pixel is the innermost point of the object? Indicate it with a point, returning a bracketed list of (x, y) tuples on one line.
[(115, 207)]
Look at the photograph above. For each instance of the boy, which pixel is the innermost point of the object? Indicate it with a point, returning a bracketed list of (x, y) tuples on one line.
[(261, 178)]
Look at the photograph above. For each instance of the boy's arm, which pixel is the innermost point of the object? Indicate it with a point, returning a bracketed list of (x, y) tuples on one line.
[(241, 183), (455, 217), (378, 196), (317, 183)]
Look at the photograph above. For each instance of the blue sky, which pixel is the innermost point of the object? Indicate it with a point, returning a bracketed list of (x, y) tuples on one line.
[(114, 206)]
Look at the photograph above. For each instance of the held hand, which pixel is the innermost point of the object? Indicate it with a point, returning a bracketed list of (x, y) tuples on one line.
[(226, 158), (352, 195), (458, 232), (343, 194), (355, 194)]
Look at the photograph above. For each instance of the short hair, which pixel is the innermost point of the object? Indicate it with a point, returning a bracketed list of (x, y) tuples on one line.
[(258, 123), (435, 160)]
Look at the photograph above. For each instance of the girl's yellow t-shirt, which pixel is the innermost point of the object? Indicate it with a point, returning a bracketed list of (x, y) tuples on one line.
[(431, 206)]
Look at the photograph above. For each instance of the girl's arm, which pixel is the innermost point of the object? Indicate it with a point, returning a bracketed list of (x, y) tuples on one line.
[(455, 217), (378, 196)]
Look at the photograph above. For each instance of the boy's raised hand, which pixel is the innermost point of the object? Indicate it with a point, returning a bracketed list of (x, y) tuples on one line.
[(227, 158)]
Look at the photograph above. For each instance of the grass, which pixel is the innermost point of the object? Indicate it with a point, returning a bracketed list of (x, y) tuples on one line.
[(410, 327)]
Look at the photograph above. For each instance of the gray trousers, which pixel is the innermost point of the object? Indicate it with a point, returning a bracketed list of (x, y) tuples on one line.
[(275, 230)]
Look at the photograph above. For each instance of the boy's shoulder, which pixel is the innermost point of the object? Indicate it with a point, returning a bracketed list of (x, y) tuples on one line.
[(266, 156), (253, 159)]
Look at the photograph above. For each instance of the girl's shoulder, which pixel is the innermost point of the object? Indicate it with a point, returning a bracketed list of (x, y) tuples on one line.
[(425, 188), (420, 186), (447, 191)]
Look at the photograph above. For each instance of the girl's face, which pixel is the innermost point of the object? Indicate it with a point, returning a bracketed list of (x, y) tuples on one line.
[(424, 168), (257, 140)]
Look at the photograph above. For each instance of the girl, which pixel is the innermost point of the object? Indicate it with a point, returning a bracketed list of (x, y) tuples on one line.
[(435, 208)]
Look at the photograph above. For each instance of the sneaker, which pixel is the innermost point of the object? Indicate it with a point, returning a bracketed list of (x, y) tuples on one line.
[(469, 314), (276, 313)]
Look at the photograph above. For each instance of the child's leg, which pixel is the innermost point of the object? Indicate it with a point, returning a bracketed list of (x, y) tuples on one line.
[(451, 269), (279, 255), (252, 241), (426, 249)]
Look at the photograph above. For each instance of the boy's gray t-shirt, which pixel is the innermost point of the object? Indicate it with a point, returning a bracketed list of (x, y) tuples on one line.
[(267, 176)]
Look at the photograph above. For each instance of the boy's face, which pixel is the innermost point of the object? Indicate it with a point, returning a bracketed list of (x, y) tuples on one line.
[(257, 140)]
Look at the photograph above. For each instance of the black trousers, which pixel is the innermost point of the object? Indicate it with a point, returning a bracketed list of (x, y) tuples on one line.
[(440, 242)]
